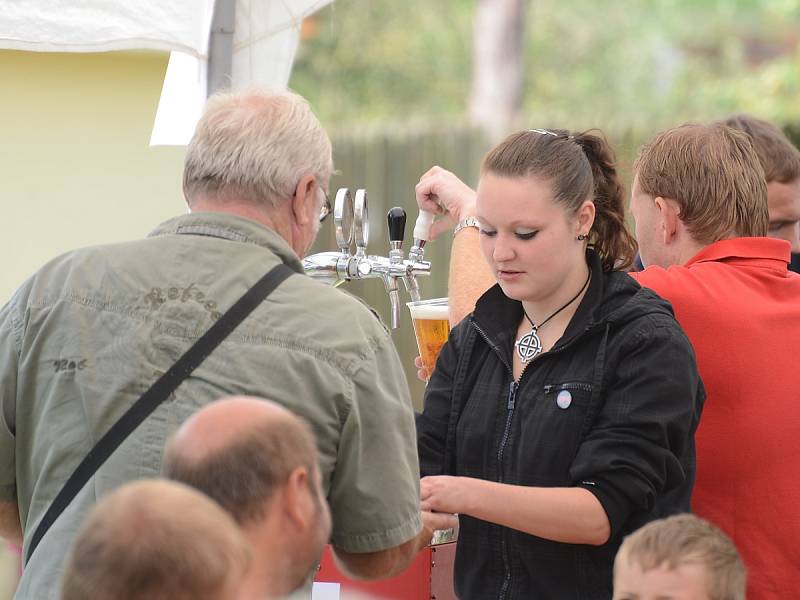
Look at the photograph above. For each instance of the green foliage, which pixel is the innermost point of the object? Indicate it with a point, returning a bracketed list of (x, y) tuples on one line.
[(651, 64), (615, 64), (386, 60)]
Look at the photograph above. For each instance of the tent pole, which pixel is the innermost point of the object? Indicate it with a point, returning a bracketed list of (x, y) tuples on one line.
[(220, 46)]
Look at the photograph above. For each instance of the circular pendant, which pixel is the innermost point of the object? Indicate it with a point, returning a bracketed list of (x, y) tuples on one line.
[(529, 346)]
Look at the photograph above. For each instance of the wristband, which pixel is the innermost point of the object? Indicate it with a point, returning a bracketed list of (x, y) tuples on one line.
[(468, 222)]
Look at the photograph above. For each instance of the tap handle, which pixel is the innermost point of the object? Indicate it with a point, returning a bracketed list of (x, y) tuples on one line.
[(397, 224), (422, 227)]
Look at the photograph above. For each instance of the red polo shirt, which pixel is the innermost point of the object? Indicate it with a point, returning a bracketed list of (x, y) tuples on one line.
[(740, 307)]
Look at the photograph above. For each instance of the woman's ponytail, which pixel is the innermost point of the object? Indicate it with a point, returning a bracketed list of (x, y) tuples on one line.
[(609, 236)]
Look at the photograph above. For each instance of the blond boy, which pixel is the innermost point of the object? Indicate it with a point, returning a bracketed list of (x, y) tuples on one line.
[(679, 558)]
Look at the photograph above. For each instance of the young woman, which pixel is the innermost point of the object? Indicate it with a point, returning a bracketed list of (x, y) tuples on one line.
[(561, 413)]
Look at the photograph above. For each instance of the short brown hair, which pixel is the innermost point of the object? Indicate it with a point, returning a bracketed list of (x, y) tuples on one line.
[(779, 158), (714, 175), (243, 476), (579, 167), (155, 540), (686, 539)]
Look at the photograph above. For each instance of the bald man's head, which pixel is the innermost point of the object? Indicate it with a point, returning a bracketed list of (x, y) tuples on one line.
[(156, 539), (240, 451)]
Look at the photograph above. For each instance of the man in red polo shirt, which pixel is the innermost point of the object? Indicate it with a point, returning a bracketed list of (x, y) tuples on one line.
[(699, 200)]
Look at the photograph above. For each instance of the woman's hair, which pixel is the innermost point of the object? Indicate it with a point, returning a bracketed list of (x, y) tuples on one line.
[(578, 167)]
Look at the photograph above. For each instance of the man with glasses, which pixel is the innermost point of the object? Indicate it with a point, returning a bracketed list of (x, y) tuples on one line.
[(326, 207), (92, 330)]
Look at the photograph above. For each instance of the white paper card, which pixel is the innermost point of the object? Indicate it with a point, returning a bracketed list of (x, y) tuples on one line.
[(326, 591)]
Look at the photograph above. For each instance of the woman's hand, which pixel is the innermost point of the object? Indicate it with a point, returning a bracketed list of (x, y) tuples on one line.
[(422, 373), (444, 494), (442, 193), (438, 521)]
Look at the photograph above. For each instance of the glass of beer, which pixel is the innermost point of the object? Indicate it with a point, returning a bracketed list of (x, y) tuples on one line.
[(431, 327)]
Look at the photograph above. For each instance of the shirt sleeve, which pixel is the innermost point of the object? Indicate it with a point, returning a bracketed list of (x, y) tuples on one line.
[(641, 444), (10, 343), (374, 493)]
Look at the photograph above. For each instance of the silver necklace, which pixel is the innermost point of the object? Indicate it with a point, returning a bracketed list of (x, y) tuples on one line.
[(529, 346)]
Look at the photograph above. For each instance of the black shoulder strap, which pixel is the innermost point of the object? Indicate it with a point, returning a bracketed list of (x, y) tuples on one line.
[(154, 396)]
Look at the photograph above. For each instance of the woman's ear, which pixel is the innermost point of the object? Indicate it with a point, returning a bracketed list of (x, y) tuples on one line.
[(585, 218)]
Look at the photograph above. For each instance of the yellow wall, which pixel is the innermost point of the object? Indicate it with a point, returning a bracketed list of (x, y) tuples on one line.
[(75, 165)]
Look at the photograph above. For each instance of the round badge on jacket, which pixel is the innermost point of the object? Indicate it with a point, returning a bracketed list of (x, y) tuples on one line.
[(564, 399)]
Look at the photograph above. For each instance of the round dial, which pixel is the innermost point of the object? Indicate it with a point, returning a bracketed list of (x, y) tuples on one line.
[(361, 219), (343, 218)]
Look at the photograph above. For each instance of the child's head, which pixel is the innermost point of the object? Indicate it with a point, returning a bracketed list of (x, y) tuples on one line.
[(681, 558)]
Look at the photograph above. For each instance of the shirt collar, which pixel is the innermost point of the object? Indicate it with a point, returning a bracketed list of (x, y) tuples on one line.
[(230, 227), (767, 252)]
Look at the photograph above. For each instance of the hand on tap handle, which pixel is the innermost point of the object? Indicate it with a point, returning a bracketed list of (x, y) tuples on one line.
[(442, 193)]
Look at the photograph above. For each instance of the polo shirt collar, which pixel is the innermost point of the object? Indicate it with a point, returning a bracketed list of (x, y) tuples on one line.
[(765, 252)]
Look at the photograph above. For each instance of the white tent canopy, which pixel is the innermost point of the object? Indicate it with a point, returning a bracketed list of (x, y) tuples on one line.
[(265, 40), (100, 25)]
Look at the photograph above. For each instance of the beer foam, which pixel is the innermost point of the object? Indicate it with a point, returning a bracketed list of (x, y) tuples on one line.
[(430, 311)]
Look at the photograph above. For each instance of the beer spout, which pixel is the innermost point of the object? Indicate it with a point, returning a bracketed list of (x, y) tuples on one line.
[(412, 286), (390, 282)]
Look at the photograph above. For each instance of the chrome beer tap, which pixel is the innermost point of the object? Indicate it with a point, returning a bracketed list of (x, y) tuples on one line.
[(352, 225), (422, 231), (396, 220)]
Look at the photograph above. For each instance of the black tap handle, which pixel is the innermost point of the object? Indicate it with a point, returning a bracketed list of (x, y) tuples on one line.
[(397, 224)]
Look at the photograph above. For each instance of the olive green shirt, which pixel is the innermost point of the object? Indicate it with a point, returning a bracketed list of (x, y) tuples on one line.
[(85, 336)]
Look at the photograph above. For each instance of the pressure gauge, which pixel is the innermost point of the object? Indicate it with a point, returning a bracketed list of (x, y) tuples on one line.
[(361, 220), (343, 219)]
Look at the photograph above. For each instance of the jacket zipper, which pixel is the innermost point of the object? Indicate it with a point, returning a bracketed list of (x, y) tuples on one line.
[(510, 405), (568, 386), (511, 401)]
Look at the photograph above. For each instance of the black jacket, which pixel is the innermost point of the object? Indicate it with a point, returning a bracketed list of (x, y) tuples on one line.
[(627, 435)]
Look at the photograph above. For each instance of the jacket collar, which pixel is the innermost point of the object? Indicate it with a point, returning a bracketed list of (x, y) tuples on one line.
[(764, 252), (233, 228)]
